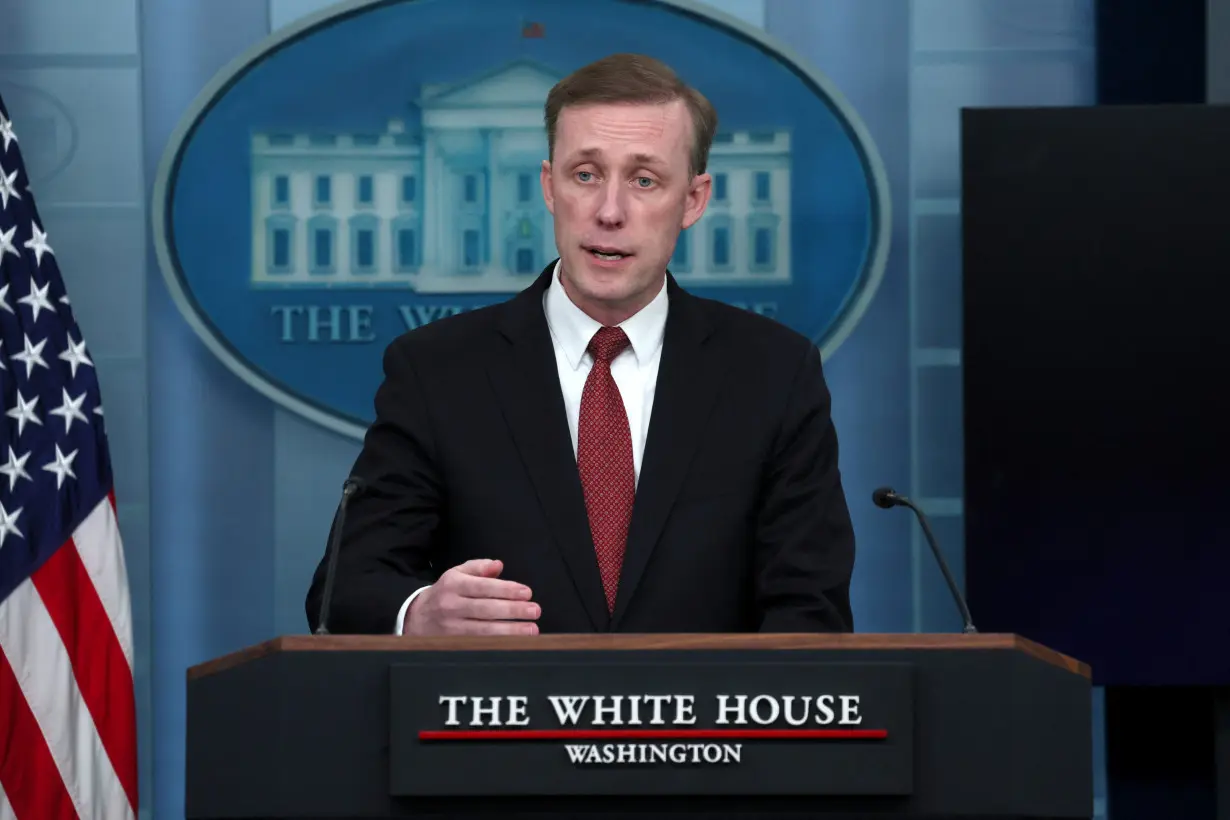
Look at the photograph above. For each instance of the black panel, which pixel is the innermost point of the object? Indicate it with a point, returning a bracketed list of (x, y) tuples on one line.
[(1151, 51), (1096, 360), (1160, 758)]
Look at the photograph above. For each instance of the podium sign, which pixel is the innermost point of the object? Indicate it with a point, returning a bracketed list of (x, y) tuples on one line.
[(976, 727), (662, 727)]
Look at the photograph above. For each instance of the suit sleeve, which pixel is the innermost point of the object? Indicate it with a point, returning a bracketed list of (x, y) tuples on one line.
[(805, 541), (392, 524)]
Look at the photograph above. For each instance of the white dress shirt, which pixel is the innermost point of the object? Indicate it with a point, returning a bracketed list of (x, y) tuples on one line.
[(635, 369)]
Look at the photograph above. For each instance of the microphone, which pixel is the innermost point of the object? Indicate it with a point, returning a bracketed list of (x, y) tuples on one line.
[(351, 486), (887, 498)]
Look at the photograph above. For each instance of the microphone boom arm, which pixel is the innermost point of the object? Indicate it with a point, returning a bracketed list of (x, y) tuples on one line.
[(968, 628), (886, 498)]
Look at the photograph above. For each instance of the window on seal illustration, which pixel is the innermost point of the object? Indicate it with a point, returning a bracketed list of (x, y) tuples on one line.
[(279, 244), (719, 187), (281, 191), (762, 228), (365, 190), (323, 191), (522, 246), (365, 249), (763, 189), (409, 189), (721, 247), (721, 244), (322, 245), (322, 250), (763, 254), (470, 189), (406, 248), (281, 248), (363, 243), (524, 188), (470, 249), (405, 245), (525, 260)]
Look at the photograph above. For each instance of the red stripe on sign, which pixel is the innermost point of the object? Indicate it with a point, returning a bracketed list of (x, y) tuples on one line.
[(102, 671), (656, 734), (28, 773)]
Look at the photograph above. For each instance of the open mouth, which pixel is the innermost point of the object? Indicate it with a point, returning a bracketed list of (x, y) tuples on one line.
[(607, 254)]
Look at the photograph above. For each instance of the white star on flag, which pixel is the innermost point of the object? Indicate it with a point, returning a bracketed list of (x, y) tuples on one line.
[(37, 300), (32, 355), (7, 246), (69, 410), (23, 411), (16, 468), (38, 243), (7, 189), (62, 466), (8, 524), (74, 353), (6, 132)]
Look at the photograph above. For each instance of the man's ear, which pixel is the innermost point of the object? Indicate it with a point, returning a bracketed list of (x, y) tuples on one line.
[(548, 194), (698, 199)]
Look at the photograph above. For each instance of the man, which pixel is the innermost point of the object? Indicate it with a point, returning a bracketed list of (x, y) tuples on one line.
[(603, 452)]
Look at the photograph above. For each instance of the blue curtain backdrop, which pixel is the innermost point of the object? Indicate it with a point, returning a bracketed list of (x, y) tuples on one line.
[(225, 498)]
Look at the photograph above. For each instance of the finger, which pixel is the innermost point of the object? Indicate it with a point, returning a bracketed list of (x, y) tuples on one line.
[(471, 586), (470, 627), (495, 609), (482, 567)]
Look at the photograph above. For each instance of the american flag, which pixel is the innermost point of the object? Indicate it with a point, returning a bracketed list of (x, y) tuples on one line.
[(68, 740)]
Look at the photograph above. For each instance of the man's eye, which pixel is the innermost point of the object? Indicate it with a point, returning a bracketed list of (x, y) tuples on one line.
[(584, 176), (644, 182)]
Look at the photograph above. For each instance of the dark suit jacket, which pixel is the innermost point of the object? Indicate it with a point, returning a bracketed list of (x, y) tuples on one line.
[(740, 522)]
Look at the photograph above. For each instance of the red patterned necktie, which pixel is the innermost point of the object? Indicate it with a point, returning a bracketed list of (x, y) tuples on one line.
[(604, 458)]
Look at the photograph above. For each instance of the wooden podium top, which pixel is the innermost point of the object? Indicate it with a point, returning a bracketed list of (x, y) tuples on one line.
[(615, 641)]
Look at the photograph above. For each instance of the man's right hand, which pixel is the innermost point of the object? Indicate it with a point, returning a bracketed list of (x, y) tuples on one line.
[(471, 599)]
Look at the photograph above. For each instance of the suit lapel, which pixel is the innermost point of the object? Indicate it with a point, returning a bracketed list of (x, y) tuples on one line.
[(689, 377), (524, 375)]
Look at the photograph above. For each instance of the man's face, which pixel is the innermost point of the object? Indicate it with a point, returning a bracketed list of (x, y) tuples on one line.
[(620, 191)]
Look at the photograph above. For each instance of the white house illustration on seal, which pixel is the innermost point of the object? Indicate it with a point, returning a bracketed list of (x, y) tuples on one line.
[(452, 203)]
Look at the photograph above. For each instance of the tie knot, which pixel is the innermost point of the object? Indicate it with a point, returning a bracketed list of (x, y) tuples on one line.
[(608, 343)]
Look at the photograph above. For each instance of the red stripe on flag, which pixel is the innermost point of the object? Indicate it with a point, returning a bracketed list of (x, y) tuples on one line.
[(28, 773), (98, 659)]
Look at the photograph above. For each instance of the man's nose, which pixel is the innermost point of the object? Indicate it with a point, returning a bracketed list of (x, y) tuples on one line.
[(612, 206)]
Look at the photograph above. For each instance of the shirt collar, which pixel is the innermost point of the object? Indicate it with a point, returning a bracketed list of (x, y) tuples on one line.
[(572, 328)]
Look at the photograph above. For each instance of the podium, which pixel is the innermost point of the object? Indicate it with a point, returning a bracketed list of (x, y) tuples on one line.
[(831, 726)]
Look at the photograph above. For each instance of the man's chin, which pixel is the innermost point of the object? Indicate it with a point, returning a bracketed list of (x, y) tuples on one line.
[(607, 287)]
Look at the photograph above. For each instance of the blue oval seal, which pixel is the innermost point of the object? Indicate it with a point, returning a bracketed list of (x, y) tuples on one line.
[(375, 167)]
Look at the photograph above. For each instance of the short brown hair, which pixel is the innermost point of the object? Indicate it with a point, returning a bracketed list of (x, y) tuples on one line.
[(633, 78)]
